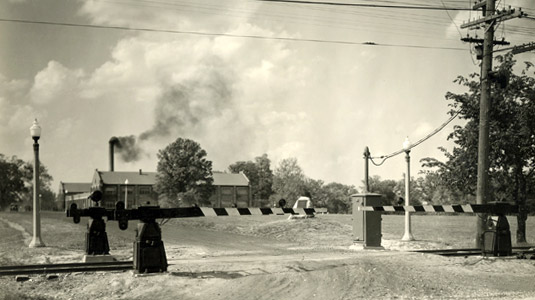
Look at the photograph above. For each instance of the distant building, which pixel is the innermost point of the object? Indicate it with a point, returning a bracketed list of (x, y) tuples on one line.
[(69, 191), (231, 189), (139, 189)]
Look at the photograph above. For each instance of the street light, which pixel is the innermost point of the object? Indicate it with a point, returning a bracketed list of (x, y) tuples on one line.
[(65, 199), (35, 131), (126, 193), (407, 236)]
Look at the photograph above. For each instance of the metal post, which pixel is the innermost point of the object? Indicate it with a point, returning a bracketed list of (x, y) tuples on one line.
[(65, 199), (366, 174), (126, 194), (484, 108), (407, 236), (36, 240)]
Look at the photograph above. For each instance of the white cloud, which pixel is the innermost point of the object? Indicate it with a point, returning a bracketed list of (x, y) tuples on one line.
[(198, 15), (16, 116), (460, 17), (55, 83), (238, 97)]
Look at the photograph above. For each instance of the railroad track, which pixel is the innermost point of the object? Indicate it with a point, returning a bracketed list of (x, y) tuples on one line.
[(65, 268), (472, 251)]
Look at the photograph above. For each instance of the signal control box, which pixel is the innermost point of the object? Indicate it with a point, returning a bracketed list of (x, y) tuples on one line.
[(367, 224), (497, 237)]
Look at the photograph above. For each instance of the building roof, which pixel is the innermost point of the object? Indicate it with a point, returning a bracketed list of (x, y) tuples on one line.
[(149, 178), (75, 187), (135, 178), (230, 179)]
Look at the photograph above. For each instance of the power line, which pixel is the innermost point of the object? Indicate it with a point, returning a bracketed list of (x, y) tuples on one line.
[(432, 133), (368, 5), (409, 25), (226, 34)]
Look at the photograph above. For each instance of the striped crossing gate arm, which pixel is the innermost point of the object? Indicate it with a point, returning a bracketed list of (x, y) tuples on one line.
[(498, 208), (248, 211), (155, 212)]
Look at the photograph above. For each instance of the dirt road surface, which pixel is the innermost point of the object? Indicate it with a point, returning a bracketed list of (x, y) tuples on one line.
[(263, 261)]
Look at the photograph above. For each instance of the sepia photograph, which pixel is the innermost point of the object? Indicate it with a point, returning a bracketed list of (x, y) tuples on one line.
[(267, 149)]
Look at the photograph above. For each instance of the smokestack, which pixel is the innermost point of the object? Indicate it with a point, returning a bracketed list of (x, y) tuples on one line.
[(112, 142)]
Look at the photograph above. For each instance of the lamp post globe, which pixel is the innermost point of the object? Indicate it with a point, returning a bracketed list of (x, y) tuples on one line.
[(35, 132), (407, 144), (407, 236)]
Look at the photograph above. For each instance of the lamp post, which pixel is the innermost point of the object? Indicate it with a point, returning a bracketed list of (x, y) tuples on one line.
[(35, 131), (407, 236), (65, 199), (126, 194)]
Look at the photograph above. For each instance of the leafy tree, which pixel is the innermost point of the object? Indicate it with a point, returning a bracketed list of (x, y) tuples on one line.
[(46, 195), (315, 190), (259, 174), (16, 183), (184, 174), (11, 180), (48, 199), (422, 189), (265, 177), (289, 181), (387, 188), (435, 191), (416, 191), (512, 139), (339, 197)]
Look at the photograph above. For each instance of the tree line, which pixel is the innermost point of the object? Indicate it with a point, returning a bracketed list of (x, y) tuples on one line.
[(184, 177)]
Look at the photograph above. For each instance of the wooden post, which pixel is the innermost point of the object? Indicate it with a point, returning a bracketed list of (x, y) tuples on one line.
[(484, 108)]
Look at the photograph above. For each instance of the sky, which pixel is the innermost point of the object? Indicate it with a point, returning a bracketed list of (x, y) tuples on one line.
[(240, 77)]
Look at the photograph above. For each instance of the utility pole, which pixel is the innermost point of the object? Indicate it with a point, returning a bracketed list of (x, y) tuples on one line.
[(484, 108), (490, 18)]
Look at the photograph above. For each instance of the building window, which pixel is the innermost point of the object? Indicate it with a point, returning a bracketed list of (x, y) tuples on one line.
[(243, 191), (130, 190), (227, 191), (242, 197), (145, 190), (110, 190)]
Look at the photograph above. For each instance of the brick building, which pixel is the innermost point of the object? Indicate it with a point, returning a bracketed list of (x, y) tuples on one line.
[(231, 190)]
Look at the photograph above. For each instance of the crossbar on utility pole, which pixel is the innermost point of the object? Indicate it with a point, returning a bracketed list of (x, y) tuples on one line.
[(523, 48), (502, 16), (479, 5)]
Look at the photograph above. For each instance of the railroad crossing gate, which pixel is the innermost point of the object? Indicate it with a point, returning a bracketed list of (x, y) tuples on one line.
[(149, 251), (496, 239)]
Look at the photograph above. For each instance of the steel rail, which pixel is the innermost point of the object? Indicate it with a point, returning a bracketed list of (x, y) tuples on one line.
[(65, 268), (473, 251)]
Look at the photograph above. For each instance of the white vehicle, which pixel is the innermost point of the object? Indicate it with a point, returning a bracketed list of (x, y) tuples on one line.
[(303, 202)]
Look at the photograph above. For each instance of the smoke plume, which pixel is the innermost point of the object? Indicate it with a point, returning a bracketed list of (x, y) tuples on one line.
[(182, 108), (127, 148)]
